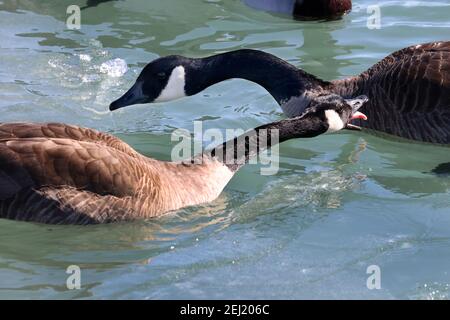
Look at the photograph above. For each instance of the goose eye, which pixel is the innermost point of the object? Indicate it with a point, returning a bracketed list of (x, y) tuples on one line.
[(161, 75)]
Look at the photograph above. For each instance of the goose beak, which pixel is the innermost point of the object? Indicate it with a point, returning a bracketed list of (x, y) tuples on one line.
[(356, 104), (132, 96)]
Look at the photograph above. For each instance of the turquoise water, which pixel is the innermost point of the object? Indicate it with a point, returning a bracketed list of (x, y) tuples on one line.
[(339, 203)]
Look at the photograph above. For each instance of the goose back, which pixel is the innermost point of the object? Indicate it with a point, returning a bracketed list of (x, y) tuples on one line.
[(409, 93), (60, 130)]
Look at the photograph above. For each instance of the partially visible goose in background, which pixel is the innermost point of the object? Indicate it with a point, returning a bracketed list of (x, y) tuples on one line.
[(408, 91), (304, 9), (63, 174), (94, 3)]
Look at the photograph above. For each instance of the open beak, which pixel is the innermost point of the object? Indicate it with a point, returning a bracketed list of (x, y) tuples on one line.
[(132, 96), (356, 104)]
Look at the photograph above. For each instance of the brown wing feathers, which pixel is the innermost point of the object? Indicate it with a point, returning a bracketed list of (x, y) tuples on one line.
[(41, 175), (409, 93), (60, 130)]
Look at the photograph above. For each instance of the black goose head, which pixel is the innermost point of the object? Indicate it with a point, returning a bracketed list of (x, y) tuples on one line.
[(163, 79), (335, 112)]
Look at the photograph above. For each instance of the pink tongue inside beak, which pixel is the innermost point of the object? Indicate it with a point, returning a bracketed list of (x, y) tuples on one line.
[(359, 115)]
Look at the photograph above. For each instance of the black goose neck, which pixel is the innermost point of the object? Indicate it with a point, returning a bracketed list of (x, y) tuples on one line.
[(281, 79), (237, 152)]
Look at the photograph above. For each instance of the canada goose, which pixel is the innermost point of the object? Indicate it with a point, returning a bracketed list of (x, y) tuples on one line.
[(304, 9), (408, 91), (63, 174)]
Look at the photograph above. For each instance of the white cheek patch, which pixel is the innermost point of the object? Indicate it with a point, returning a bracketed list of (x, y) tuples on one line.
[(335, 122), (175, 86)]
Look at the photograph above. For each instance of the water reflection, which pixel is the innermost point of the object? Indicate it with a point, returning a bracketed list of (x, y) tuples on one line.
[(321, 51), (398, 167), (101, 246), (442, 169)]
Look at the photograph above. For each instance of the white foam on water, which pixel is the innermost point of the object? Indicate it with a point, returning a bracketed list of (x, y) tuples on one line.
[(114, 68), (431, 291), (87, 78), (85, 57)]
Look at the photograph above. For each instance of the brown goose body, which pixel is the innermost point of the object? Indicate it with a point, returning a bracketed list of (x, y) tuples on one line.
[(62, 174), (409, 93)]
